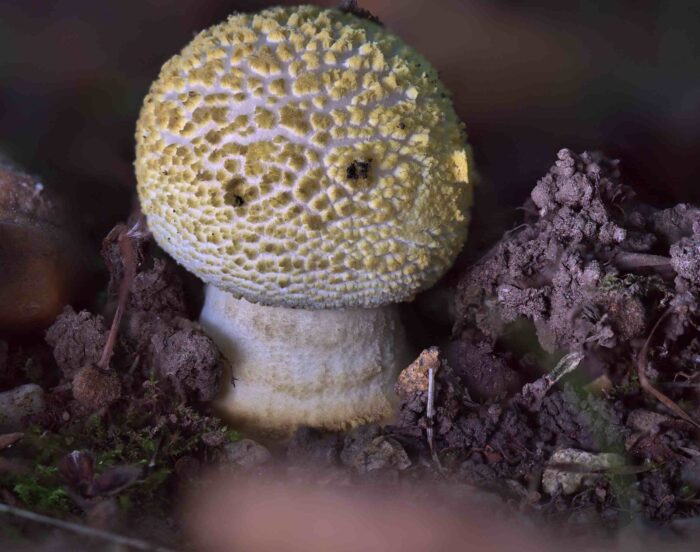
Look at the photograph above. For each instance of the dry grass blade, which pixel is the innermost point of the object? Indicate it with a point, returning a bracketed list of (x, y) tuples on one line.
[(646, 384), (569, 467), (628, 261)]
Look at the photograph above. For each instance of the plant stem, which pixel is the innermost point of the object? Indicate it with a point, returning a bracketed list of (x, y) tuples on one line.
[(128, 253)]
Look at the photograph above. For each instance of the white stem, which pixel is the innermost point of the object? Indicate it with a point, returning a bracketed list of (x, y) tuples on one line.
[(325, 368)]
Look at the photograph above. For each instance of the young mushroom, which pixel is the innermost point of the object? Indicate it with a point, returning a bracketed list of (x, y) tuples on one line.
[(310, 168)]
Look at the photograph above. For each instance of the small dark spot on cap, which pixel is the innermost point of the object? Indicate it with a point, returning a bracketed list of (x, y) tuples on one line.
[(358, 169), (232, 194), (402, 125)]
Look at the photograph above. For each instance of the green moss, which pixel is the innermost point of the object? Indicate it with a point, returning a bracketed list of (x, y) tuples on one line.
[(41, 497), (154, 438), (40, 490), (635, 284)]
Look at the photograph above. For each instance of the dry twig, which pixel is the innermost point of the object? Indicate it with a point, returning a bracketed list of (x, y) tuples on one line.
[(430, 408), (127, 249), (646, 384)]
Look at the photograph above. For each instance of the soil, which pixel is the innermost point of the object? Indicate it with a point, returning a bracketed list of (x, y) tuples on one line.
[(568, 387)]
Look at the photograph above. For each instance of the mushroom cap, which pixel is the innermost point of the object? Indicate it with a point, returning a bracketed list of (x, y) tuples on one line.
[(304, 157)]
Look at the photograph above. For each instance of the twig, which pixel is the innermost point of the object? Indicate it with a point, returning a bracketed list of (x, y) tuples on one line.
[(429, 414), (138, 544), (128, 252), (646, 384), (690, 452), (627, 260), (429, 410)]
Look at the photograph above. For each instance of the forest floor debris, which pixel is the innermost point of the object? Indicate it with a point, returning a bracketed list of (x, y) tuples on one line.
[(569, 387)]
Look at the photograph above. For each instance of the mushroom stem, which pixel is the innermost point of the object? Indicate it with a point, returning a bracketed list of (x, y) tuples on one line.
[(325, 368)]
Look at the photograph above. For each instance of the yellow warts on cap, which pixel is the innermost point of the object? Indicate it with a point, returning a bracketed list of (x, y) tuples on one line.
[(304, 157)]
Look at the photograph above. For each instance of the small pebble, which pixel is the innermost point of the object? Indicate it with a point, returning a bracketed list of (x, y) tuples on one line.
[(570, 469), (646, 421), (18, 403), (382, 453), (246, 453)]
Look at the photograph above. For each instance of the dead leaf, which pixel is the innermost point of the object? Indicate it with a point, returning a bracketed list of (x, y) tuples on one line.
[(114, 480), (9, 439), (77, 469)]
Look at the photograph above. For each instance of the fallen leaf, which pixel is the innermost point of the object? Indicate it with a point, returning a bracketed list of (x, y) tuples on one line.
[(114, 480), (9, 439), (77, 469)]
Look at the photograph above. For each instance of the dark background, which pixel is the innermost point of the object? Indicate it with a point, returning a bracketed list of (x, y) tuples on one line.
[(622, 77)]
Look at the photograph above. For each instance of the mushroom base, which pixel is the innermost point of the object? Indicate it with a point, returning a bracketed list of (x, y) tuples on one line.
[(330, 369)]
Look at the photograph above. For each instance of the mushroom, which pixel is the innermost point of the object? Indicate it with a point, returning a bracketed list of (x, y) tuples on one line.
[(309, 167)]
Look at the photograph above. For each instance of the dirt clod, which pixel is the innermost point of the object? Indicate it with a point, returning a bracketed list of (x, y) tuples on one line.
[(486, 373), (158, 289), (18, 404), (187, 360), (246, 453), (592, 270), (382, 453), (77, 339), (95, 388)]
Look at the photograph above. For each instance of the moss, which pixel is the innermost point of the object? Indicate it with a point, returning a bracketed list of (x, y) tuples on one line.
[(40, 490), (44, 498), (152, 438)]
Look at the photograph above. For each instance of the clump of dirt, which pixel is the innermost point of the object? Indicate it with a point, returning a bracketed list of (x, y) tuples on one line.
[(129, 395), (590, 267), (598, 274), (95, 388), (77, 340), (538, 397)]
